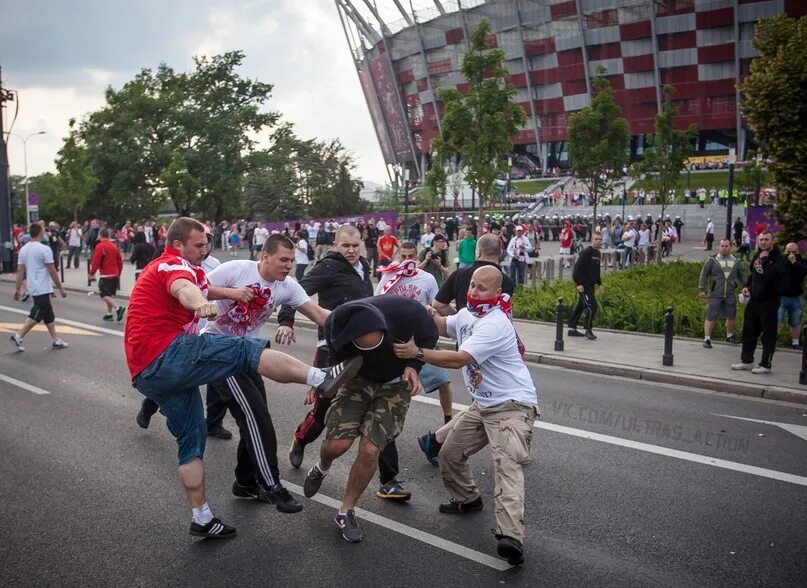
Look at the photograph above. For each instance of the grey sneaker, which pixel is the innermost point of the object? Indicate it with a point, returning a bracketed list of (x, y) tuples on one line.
[(17, 340), (296, 453), (707, 343), (742, 366), (761, 369), (60, 344), (313, 481), (349, 526)]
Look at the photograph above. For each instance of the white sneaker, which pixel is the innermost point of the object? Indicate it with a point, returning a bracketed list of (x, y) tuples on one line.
[(761, 369), (742, 366), (60, 344), (17, 340)]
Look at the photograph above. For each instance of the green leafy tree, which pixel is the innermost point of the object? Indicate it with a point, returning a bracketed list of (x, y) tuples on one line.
[(478, 127), (75, 181), (664, 157), (753, 176), (433, 194), (599, 141), (774, 104), (46, 188)]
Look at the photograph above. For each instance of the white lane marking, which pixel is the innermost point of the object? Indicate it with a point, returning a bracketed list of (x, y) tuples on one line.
[(797, 430), (68, 322), (406, 530), (23, 385), (657, 449)]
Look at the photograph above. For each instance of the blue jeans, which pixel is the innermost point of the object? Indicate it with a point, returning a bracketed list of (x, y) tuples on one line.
[(172, 380), (792, 306), (518, 270)]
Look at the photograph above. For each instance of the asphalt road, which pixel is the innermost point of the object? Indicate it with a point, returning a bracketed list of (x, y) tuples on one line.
[(631, 484)]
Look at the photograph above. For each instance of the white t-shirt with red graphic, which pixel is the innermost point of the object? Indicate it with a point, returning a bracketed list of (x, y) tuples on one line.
[(498, 373), (421, 287), (244, 319), (154, 316)]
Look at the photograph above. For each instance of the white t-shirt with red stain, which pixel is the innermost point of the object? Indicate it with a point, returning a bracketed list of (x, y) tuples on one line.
[(421, 287), (244, 319), (154, 316), (498, 373)]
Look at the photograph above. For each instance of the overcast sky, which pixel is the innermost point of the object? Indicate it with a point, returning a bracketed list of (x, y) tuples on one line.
[(61, 55)]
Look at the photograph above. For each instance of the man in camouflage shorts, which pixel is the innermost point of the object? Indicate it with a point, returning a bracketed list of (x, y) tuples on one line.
[(371, 406)]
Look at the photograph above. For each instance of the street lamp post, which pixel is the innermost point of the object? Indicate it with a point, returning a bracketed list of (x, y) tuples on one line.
[(729, 204), (25, 162)]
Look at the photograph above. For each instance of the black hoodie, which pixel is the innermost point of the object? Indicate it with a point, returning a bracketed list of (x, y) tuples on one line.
[(398, 318), (768, 276)]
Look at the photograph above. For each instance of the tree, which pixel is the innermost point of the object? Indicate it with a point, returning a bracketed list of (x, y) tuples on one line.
[(75, 180), (478, 127), (664, 157), (433, 194), (599, 141), (773, 102), (752, 176)]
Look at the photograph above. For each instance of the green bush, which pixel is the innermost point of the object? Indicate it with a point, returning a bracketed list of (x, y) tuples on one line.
[(634, 300)]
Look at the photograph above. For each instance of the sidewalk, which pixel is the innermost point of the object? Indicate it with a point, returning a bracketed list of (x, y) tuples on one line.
[(631, 355)]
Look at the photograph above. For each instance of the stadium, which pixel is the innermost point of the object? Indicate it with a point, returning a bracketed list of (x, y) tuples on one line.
[(405, 51)]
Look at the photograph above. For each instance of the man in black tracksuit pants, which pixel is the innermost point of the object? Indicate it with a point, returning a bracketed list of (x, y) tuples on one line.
[(586, 276), (768, 276), (339, 277)]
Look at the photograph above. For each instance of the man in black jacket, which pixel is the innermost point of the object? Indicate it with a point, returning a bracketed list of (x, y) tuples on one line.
[(342, 275), (586, 276), (768, 277), (793, 292), (372, 405)]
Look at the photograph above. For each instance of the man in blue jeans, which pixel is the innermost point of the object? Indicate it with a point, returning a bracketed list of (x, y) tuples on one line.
[(168, 359)]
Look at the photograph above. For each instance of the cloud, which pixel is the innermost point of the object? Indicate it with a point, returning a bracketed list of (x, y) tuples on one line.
[(73, 51)]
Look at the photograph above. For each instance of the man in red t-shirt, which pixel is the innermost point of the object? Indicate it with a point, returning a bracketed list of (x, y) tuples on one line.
[(168, 359), (387, 247), (107, 260)]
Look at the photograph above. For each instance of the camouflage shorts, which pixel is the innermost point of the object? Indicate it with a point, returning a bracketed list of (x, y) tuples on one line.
[(374, 410)]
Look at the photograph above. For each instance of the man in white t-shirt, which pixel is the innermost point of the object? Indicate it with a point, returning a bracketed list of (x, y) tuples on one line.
[(259, 235), (403, 278), (300, 256), (502, 413), (35, 266), (427, 237), (256, 472)]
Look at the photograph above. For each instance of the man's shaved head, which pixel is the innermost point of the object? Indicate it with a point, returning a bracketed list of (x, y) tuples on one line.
[(490, 275)]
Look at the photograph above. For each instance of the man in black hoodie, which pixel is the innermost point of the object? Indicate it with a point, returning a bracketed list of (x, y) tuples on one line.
[(371, 406), (769, 275), (586, 276)]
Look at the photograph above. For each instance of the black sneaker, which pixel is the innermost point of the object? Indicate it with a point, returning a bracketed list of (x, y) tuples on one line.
[(591, 336), (707, 343), (575, 333), (349, 526), (337, 375), (313, 481), (215, 529), (281, 498), (429, 445), (460, 508), (109, 318), (219, 432), (510, 549), (393, 491), (120, 312), (732, 339), (296, 453), (143, 419), (25, 297)]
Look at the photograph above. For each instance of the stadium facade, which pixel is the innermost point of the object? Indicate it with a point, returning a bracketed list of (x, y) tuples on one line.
[(701, 48)]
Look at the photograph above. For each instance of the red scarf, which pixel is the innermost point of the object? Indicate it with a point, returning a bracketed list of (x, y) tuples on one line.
[(405, 269), (479, 307), (254, 306)]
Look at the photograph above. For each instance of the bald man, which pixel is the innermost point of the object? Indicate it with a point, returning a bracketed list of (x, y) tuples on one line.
[(790, 303), (504, 408)]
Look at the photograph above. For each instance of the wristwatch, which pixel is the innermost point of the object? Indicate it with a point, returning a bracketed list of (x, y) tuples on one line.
[(419, 355)]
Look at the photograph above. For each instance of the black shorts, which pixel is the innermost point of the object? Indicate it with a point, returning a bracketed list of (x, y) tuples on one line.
[(108, 286), (42, 310)]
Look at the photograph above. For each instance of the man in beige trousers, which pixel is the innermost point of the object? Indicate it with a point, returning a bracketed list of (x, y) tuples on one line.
[(504, 408)]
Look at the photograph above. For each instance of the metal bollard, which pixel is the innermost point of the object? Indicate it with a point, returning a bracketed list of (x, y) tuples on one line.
[(803, 372), (667, 358), (559, 325), (89, 279), (61, 267)]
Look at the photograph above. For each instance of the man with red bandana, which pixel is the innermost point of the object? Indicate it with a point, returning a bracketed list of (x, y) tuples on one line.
[(504, 407), (256, 471)]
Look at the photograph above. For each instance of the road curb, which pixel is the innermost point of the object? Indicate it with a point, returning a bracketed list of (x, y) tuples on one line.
[(761, 390)]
